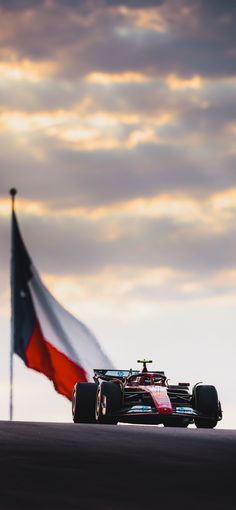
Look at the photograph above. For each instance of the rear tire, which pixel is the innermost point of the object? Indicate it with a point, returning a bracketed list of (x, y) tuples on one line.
[(111, 394), (206, 401), (83, 402)]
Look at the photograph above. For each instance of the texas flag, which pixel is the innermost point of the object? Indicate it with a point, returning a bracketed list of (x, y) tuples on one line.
[(47, 337)]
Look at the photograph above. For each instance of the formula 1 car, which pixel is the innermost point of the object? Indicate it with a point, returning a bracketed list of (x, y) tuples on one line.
[(145, 397)]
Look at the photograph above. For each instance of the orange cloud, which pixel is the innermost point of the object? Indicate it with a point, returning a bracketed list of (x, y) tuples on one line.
[(146, 19), (224, 202), (114, 78), (108, 289), (142, 135), (25, 70), (177, 83), (27, 122), (24, 206), (83, 130), (215, 211)]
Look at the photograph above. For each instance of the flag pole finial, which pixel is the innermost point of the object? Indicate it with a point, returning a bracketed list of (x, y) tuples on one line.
[(13, 193)]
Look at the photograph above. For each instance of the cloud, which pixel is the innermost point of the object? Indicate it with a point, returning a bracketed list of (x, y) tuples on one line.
[(176, 83), (198, 39), (183, 241), (105, 105), (110, 78), (131, 4), (18, 4), (45, 166)]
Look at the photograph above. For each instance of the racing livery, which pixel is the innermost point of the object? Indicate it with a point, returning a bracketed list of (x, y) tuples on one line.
[(145, 397)]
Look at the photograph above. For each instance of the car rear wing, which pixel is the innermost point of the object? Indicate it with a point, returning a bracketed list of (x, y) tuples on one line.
[(119, 374), (114, 374)]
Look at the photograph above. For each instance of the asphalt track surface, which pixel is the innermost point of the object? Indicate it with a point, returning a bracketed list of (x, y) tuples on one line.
[(93, 467)]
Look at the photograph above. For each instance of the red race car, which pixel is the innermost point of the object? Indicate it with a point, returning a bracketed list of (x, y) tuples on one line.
[(144, 397)]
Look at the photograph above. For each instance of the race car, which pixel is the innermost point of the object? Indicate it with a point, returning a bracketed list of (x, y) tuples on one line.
[(144, 397)]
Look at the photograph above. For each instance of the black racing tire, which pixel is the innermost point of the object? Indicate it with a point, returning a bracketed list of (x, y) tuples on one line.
[(205, 424), (206, 401), (177, 423), (83, 402), (113, 394)]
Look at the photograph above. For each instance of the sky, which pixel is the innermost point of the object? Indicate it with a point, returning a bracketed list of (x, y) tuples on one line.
[(117, 127)]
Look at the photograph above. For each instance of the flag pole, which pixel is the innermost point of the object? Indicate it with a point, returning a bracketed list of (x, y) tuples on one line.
[(13, 193)]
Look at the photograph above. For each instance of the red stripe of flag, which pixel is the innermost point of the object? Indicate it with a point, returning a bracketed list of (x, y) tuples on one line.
[(43, 357)]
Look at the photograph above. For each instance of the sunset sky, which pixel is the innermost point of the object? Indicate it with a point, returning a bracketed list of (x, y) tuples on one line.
[(118, 127)]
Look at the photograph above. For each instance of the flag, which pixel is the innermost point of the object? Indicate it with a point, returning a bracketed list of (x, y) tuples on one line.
[(47, 337)]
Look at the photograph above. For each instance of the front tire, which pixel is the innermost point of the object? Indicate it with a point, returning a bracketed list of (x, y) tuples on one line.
[(205, 424), (83, 402), (206, 402), (176, 423), (109, 399)]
